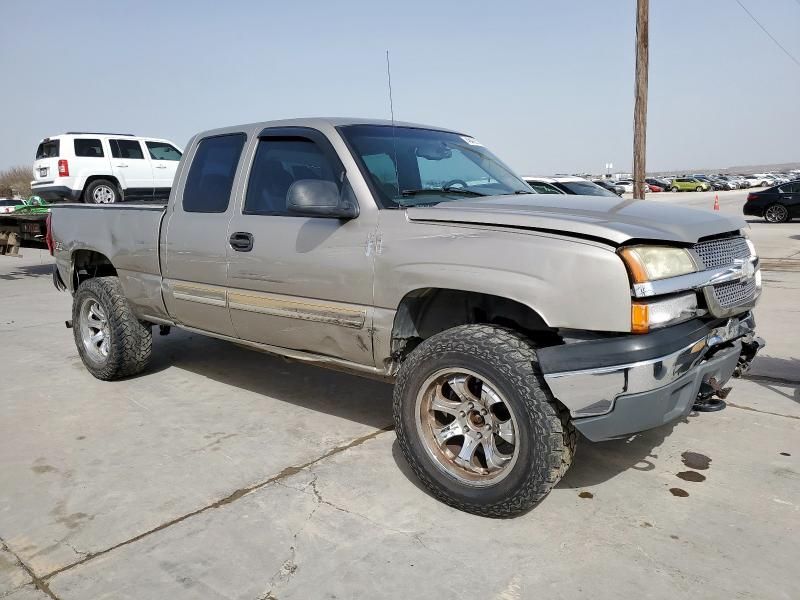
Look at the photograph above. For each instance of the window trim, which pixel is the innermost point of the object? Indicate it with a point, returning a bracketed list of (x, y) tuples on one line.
[(185, 178), (316, 137)]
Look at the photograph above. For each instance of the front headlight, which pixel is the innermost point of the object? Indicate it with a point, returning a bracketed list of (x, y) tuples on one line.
[(651, 263)]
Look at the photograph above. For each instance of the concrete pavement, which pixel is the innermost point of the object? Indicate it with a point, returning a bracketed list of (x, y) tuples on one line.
[(225, 473)]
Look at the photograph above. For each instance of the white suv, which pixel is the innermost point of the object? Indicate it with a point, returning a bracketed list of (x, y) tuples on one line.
[(99, 168)]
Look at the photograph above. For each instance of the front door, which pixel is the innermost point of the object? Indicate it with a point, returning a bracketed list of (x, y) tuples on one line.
[(304, 283), (131, 168), (194, 240)]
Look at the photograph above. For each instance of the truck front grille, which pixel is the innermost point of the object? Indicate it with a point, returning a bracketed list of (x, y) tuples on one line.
[(735, 293), (721, 252)]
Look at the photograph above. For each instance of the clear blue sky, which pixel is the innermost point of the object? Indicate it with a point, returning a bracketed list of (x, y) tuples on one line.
[(547, 85)]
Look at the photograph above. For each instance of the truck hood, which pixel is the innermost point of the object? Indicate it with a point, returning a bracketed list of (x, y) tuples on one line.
[(615, 220)]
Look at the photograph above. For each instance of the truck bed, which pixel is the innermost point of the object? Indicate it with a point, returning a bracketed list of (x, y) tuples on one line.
[(127, 234)]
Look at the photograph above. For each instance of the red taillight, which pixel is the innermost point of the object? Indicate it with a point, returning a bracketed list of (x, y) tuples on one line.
[(63, 168), (751, 197), (48, 238)]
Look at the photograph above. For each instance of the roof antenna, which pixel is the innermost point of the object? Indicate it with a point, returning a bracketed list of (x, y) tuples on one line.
[(391, 111)]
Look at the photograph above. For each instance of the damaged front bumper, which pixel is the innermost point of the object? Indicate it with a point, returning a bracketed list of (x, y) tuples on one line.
[(618, 386)]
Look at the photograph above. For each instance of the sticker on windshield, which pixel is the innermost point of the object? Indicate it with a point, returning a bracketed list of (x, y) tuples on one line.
[(471, 140)]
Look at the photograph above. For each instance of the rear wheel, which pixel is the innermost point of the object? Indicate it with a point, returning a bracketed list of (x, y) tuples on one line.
[(111, 341), (478, 425), (776, 213), (101, 191)]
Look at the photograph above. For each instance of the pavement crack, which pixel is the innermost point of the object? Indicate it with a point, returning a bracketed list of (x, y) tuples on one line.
[(763, 412), (769, 379), (232, 497), (38, 582)]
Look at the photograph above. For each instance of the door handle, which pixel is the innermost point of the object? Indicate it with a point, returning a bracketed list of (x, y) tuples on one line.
[(161, 166), (122, 164), (241, 241)]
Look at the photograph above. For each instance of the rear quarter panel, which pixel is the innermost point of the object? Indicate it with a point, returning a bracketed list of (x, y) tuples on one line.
[(127, 236)]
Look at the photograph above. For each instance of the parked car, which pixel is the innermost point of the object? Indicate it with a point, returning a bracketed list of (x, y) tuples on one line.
[(609, 185), (777, 204), (756, 180), (658, 182), (7, 205), (103, 168), (689, 184), (508, 320), (567, 185)]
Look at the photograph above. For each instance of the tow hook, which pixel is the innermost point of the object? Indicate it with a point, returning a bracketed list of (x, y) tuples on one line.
[(68, 324), (749, 351), (706, 401)]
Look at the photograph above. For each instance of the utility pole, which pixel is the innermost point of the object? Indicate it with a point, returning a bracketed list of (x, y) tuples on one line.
[(640, 107)]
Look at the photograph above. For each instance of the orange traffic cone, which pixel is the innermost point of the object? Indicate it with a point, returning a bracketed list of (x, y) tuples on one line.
[(716, 201)]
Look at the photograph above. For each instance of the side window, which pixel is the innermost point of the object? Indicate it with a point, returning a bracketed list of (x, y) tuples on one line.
[(90, 148), (163, 151), (210, 179), (540, 187), (126, 149), (278, 163)]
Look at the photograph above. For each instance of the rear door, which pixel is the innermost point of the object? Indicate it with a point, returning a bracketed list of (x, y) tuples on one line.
[(130, 166), (194, 239), (305, 283), (45, 167), (164, 157), (790, 196)]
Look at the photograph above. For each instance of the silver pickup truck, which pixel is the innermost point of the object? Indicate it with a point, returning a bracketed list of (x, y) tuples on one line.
[(508, 320)]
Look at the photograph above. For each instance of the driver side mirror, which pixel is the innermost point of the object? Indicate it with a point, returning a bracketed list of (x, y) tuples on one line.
[(318, 198)]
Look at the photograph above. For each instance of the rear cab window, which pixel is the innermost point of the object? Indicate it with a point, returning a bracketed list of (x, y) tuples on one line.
[(211, 174), (48, 149), (88, 147), (163, 151)]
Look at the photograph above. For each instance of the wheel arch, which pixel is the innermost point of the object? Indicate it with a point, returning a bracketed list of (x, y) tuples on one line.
[(424, 312), (88, 264)]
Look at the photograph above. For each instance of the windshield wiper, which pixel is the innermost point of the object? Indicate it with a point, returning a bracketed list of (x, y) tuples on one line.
[(445, 190)]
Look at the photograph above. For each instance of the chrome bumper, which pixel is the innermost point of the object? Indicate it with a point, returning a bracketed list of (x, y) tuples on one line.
[(594, 392)]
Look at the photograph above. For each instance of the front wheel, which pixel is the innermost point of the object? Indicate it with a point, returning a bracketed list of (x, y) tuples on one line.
[(776, 213), (478, 425), (698, 189), (673, 189), (111, 341)]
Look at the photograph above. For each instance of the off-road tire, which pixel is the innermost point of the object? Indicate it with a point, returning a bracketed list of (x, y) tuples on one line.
[(131, 342), (88, 193), (547, 438)]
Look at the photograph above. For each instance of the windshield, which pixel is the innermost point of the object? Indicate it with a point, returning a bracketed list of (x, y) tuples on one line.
[(585, 188), (409, 166)]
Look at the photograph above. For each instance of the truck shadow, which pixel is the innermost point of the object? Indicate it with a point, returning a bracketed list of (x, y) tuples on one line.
[(24, 271), (343, 395)]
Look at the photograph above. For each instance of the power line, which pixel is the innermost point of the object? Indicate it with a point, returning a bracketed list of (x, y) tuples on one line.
[(777, 43)]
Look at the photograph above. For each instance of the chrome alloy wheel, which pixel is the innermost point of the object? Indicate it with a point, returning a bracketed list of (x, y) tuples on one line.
[(103, 194), (467, 427), (776, 213), (95, 331)]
